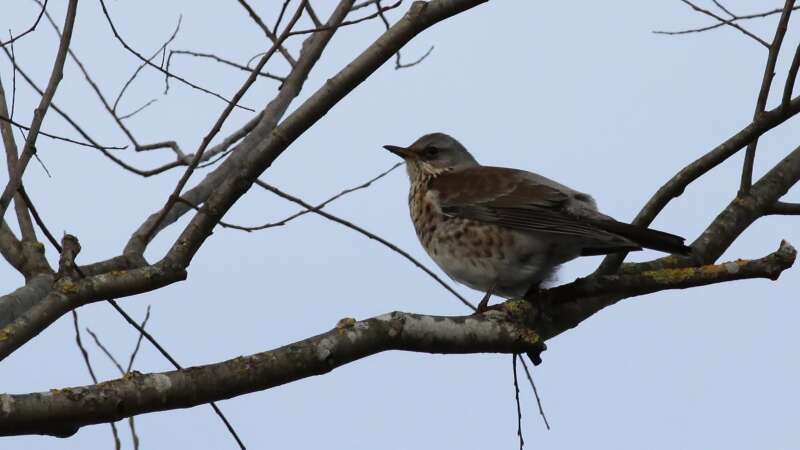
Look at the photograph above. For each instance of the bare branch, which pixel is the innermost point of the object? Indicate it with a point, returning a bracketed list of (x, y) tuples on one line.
[(397, 62), (348, 341), (85, 354), (763, 94), (38, 115), (223, 61), (348, 22), (270, 34), (512, 327), (261, 127), (675, 186), (303, 212), (158, 68), (725, 22), (32, 27), (516, 397), (535, 393), (280, 16), (60, 138), (372, 236), (173, 198), (729, 22), (784, 209), (20, 208), (138, 110), (791, 77), (266, 143), (139, 340)]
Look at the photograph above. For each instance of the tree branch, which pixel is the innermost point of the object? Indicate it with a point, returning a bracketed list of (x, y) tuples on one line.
[(673, 188), (515, 326), (268, 143), (763, 94), (40, 111)]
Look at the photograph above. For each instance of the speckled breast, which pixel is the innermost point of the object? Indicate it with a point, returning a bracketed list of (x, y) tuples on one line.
[(471, 252)]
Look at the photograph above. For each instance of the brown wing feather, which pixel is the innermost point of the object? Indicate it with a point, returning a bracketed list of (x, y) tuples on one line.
[(509, 198), (495, 186)]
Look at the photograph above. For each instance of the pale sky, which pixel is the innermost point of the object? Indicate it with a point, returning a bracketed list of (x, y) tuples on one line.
[(582, 93)]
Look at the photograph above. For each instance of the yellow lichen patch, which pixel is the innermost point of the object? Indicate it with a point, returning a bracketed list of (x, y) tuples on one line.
[(670, 275), (516, 307), (347, 322), (530, 336), (6, 333), (131, 375), (117, 273), (67, 286), (55, 391)]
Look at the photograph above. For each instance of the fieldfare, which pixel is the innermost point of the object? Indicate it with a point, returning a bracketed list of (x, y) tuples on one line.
[(503, 231)]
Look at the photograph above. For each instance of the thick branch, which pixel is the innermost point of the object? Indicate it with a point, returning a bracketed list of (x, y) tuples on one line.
[(61, 412), (513, 327), (577, 301), (68, 294)]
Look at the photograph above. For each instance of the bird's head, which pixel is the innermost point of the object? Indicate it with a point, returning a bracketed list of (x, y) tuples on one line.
[(433, 154)]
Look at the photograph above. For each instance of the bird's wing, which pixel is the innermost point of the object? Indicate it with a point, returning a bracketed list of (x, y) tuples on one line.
[(519, 200)]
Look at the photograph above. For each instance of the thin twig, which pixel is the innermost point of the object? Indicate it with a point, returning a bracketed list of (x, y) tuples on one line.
[(158, 68), (368, 234), (85, 354), (272, 36), (535, 392), (105, 351), (175, 364), (62, 138), (38, 219), (516, 397), (13, 81), (398, 64), (138, 110), (222, 61), (302, 212), (724, 8), (161, 51), (280, 16), (138, 340), (32, 27), (728, 22), (131, 422), (348, 22)]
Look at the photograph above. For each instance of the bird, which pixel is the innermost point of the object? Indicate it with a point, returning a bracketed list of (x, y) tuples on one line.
[(505, 231)]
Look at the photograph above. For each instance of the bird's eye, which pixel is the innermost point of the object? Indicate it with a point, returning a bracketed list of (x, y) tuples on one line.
[(430, 152)]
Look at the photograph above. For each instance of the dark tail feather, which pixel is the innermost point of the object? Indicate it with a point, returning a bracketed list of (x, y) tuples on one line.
[(647, 238)]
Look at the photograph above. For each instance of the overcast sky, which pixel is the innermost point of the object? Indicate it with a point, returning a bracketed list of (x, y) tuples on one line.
[(581, 92)]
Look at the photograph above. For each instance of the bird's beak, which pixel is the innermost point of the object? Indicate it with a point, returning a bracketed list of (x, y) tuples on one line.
[(402, 152)]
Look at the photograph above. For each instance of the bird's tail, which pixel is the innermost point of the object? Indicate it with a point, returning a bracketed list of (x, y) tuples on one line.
[(646, 237)]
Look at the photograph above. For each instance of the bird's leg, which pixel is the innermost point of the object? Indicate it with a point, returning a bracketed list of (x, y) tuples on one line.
[(483, 306)]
